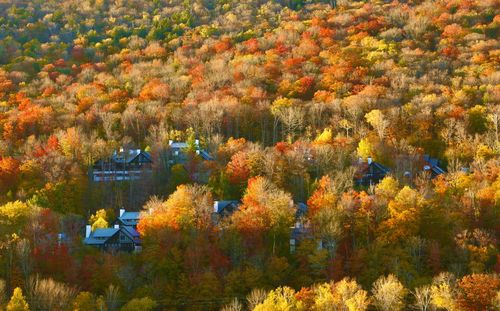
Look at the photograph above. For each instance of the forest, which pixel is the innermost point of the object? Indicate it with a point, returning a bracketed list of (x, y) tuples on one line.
[(357, 140)]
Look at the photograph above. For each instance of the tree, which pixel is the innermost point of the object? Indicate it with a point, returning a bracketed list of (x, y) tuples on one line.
[(378, 121), (47, 294), (388, 293), (404, 215), (343, 295), (17, 301), (477, 291), (365, 148), (189, 207), (443, 292), (143, 304), (280, 299), (423, 298), (99, 220), (265, 208), (85, 301)]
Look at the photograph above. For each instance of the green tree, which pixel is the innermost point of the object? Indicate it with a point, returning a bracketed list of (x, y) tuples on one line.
[(140, 304)]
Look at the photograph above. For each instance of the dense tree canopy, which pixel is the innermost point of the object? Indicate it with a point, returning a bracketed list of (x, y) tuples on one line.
[(290, 99)]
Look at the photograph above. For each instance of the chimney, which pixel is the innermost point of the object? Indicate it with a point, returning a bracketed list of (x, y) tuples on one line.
[(117, 226), (370, 160), (197, 142), (198, 152), (170, 142), (216, 206), (88, 230), (291, 203), (122, 210)]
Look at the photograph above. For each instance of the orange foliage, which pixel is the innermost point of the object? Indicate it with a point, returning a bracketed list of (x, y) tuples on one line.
[(155, 90), (9, 171), (237, 169), (323, 197), (476, 291)]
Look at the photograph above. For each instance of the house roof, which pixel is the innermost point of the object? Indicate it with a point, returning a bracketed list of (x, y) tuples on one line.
[(132, 233), (301, 209), (130, 218), (380, 167), (128, 156), (100, 236), (222, 205), (178, 145), (206, 156), (433, 165)]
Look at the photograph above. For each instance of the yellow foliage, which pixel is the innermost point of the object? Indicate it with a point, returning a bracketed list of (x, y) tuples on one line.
[(325, 137), (280, 299), (443, 297), (387, 187), (365, 148)]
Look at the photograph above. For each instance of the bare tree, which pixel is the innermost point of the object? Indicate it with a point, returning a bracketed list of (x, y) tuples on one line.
[(423, 298), (112, 297), (47, 294), (256, 297), (234, 305), (388, 293)]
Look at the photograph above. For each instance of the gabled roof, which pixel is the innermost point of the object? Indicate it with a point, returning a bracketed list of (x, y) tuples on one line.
[(130, 155), (100, 236), (433, 165), (206, 156), (178, 145), (132, 233), (380, 167), (222, 205), (130, 218)]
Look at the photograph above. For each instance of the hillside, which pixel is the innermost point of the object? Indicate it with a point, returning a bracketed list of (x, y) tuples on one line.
[(290, 101)]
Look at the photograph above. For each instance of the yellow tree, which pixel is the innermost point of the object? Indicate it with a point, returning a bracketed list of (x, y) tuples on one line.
[(404, 216), (280, 299), (378, 122), (17, 301)]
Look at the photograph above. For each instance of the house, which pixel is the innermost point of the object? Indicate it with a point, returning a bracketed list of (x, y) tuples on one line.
[(124, 165), (128, 219), (224, 209), (122, 237), (115, 239), (178, 152), (370, 173), (432, 165)]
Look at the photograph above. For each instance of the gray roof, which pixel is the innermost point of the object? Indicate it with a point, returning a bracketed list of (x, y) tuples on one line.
[(100, 236), (380, 167), (130, 218), (178, 145), (128, 156), (132, 233), (206, 156), (221, 205)]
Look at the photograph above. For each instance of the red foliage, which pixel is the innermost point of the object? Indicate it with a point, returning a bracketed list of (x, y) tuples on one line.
[(252, 45), (237, 169)]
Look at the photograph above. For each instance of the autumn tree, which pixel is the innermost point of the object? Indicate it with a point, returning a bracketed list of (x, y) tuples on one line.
[(17, 301), (477, 291), (265, 208), (388, 293)]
